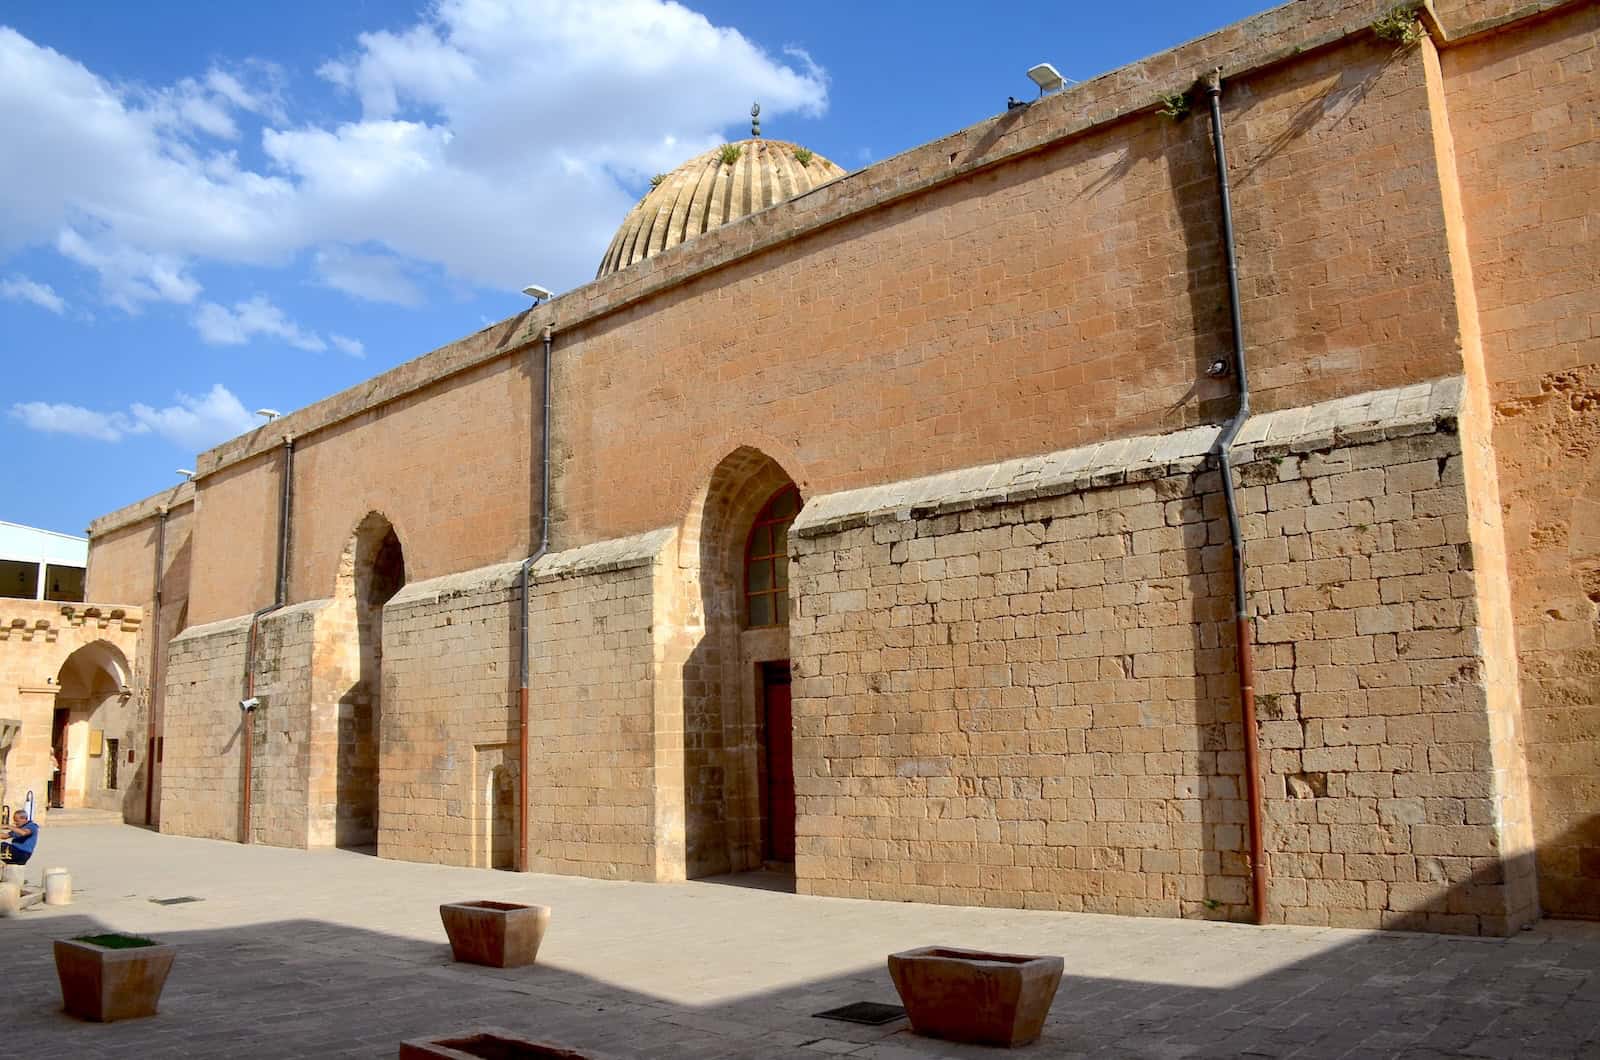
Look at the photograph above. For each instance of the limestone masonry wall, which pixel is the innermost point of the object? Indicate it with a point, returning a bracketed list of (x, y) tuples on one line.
[(449, 715), (37, 638), (203, 754), (1522, 110), (592, 741), (1025, 696), (1014, 672), (200, 768)]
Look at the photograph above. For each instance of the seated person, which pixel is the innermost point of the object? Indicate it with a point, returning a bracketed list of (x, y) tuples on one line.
[(17, 845)]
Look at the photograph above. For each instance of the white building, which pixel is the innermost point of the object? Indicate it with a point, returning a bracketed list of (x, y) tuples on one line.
[(41, 564)]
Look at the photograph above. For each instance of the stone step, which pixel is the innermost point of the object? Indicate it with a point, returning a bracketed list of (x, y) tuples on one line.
[(79, 815)]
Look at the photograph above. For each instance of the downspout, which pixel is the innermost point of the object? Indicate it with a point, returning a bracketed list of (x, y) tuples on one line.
[(527, 574), (155, 669), (280, 595), (1242, 635), (285, 513)]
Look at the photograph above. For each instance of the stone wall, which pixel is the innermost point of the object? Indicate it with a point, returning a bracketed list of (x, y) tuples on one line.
[(1528, 165), (122, 559), (593, 753), (449, 714), (202, 758), (203, 752), (37, 640), (450, 736), (1016, 684)]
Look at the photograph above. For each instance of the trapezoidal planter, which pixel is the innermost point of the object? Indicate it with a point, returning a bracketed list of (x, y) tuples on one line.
[(485, 1043), (973, 996), (112, 977), (499, 934)]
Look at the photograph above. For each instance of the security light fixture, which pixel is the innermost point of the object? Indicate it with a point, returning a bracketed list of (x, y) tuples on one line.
[(1047, 78), (247, 705), (535, 292), (268, 414), (186, 473)]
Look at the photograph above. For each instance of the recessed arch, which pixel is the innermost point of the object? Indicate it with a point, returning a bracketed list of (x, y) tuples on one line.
[(726, 769), (89, 727), (371, 571)]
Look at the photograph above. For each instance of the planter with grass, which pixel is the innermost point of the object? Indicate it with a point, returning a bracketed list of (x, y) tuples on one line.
[(486, 1043), (973, 996), (112, 977), (499, 934)]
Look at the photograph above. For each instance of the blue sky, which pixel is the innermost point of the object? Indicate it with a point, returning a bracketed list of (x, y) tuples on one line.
[(209, 208)]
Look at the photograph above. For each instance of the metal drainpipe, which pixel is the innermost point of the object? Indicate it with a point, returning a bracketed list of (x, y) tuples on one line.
[(155, 668), (285, 513), (527, 569), (1243, 634), (280, 596)]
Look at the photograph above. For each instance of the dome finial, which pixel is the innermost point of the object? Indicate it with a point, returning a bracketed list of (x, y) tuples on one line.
[(755, 119)]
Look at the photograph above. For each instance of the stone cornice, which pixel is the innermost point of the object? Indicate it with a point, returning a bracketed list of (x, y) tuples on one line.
[(148, 508)]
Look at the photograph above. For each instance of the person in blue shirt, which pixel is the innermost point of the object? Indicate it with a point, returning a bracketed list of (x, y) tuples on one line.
[(17, 846)]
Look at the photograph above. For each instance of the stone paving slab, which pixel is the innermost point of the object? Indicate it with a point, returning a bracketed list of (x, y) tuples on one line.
[(334, 953)]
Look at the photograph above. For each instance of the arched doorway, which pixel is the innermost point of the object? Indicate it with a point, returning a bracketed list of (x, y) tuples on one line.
[(371, 571), (91, 733), (739, 785)]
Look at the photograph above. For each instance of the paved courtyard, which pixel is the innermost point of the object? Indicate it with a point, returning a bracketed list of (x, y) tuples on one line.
[(333, 953)]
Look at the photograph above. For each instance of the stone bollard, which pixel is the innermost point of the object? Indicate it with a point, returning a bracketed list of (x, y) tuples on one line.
[(12, 874), (10, 899), (57, 887)]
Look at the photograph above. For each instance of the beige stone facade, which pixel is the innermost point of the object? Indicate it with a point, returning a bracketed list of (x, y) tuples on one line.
[(982, 367), (74, 716)]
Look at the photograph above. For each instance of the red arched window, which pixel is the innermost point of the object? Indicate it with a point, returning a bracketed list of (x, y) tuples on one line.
[(766, 561)]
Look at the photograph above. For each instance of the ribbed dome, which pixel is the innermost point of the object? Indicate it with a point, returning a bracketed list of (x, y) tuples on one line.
[(706, 192)]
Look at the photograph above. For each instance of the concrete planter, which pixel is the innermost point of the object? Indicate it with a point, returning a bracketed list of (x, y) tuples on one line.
[(499, 934), (103, 982), (485, 1044), (972, 996)]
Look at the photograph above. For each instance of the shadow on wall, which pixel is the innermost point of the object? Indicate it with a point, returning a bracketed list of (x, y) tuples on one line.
[(309, 987), (721, 728), (371, 572)]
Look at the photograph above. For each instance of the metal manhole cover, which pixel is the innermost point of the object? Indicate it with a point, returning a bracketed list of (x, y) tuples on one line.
[(868, 1012), (176, 901)]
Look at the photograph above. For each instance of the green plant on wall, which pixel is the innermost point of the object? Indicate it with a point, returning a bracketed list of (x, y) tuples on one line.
[(1175, 106), (802, 156), (1399, 24), (655, 181), (729, 154)]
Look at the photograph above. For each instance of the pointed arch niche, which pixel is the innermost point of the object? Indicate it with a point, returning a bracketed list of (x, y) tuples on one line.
[(733, 546), (371, 570)]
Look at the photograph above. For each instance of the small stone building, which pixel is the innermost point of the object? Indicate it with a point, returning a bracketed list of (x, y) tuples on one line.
[(74, 732), (886, 534)]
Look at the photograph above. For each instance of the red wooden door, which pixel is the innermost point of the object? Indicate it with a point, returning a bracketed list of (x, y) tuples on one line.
[(780, 774)]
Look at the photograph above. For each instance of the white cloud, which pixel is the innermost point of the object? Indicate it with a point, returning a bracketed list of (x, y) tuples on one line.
[(345, 344), (193, 423), (22, 289), (221, 326), (503, 140), (129, 276), (373, 277), (75, 419), (197, 423)]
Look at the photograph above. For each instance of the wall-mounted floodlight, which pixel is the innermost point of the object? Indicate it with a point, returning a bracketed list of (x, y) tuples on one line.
[(268, 414), (1048, 78), (535, 292), (186, 473), (247, 705)]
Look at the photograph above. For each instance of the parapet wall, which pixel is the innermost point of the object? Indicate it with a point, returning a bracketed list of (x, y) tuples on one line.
[(1015, 685)]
